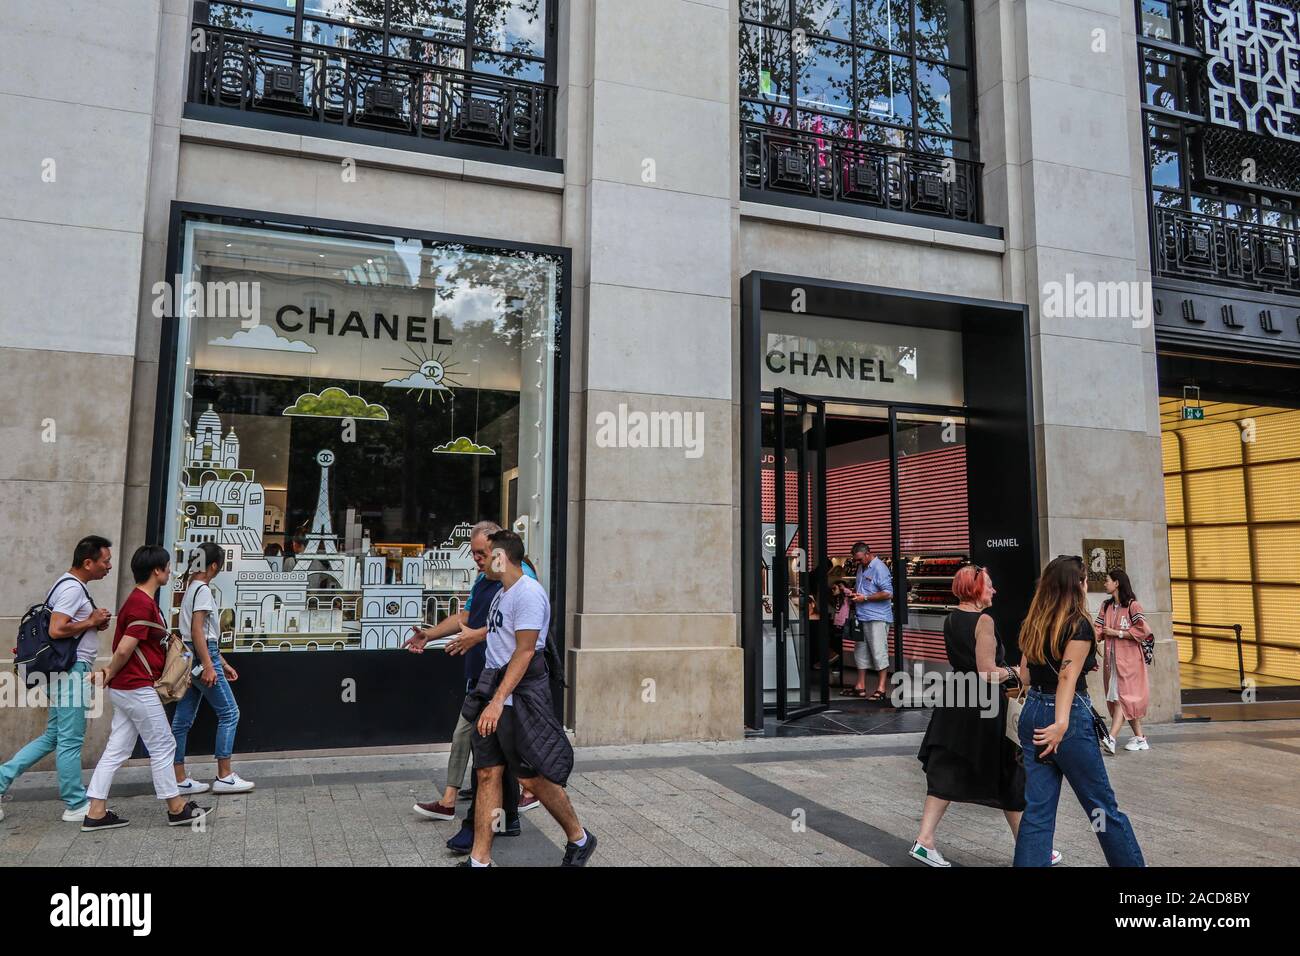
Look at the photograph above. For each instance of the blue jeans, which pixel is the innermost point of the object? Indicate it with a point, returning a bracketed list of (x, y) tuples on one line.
[(65, 729), (222, 699), (1077, 758)]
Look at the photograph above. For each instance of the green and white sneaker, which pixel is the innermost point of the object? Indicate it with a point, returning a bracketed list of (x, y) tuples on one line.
[(927, 856)]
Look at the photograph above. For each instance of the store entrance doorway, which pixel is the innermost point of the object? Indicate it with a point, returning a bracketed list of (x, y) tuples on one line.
[(902, 401), (895, 478), (1231, 470)]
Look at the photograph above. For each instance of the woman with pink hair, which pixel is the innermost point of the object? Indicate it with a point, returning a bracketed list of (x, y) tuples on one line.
[(966, 753)]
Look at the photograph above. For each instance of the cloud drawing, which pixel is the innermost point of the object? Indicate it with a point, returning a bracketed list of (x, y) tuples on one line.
[(334, 402), (462, 446), (261, 337), (416, 380)]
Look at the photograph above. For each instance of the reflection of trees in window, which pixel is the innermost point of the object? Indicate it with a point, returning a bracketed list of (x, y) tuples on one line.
[(856, 68), (500, 37)]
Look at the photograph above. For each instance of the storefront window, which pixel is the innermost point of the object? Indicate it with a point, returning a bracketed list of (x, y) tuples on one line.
[(347, 406)]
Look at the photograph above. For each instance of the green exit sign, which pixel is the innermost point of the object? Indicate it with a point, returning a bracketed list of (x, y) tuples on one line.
[(1193, 414)]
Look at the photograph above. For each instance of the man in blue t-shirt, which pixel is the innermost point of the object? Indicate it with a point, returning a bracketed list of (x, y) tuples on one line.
[(873, 604), (468, 630)]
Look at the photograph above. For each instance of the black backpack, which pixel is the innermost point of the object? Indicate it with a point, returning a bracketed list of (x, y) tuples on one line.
[(37, 651)]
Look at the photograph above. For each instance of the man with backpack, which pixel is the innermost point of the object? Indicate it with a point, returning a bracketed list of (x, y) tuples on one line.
[(73, 617)]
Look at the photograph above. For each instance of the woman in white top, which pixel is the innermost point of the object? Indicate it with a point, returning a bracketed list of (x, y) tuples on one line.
[(213, 676)]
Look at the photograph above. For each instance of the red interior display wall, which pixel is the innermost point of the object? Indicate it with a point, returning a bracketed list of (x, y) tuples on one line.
[(933, 516), (933, 512)]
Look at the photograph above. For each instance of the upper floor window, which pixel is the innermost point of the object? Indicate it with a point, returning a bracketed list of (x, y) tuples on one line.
[(504, 37), (478, 72), (1222, 140), (892, 72)]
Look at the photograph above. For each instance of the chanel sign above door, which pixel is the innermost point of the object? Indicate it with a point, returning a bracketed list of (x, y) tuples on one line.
[(844, 358)]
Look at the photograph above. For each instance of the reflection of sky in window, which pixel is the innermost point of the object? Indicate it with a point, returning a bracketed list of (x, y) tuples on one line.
[(825, 76), (830, 17), (885, 87), (883, 23), (342, 10), (518, 27), (934, 94), (1164, 167)]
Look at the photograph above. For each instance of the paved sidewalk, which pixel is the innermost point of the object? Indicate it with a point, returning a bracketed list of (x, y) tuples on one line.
[(1204, 795)]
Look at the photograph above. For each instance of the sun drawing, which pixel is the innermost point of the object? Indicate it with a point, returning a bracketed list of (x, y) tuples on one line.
[(427, 374)]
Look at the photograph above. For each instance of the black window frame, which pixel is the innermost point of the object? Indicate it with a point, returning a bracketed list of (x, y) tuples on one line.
[(283, 82), (469, 47), (915, 133)]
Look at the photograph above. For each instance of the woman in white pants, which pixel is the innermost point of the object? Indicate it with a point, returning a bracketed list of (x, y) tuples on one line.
[(138, 656)]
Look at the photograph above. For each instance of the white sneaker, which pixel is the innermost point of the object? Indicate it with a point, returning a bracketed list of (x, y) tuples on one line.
[(2, 813), (76, 816), (232, 784), (191, 786), (1137, 743), (1056, 857), (927, 856), (1108, 745)]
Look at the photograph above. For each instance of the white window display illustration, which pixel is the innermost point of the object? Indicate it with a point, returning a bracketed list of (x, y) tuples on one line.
[(315, 452)]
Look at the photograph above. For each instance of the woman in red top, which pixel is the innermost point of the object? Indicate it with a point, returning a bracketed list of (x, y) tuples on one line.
[(138, 659)]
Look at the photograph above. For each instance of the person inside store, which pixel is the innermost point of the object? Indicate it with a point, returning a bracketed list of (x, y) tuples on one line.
[(138, 659), (512, 710), (1126, 640), (201, 631), (966, 753), (467, 629), (840, 607), (296, 545), (73, 616), (274, 555), (1059, 730), (873, 600)]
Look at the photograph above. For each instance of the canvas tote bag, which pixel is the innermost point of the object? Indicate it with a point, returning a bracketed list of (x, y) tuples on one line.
[(174, 681)]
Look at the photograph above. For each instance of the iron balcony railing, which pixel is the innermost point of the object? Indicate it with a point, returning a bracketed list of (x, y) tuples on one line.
[(1191, 631), (1204, 248), (344, 88), (780, 160)]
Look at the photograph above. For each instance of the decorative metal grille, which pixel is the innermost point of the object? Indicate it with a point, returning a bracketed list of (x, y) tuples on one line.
[(841, 170), (1245, 255), (1255, 161), (342, 87)]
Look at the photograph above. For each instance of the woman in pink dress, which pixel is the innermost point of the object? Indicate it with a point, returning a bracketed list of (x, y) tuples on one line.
[(1122, 628)]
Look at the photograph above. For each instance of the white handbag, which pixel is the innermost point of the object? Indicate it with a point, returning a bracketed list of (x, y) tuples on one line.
[(1014, 706)]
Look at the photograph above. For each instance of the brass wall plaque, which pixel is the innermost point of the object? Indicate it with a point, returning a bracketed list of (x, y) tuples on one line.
[(1099, 556)]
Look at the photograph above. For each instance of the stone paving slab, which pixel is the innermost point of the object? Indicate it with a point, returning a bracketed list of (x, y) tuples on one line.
[(1204, 795)]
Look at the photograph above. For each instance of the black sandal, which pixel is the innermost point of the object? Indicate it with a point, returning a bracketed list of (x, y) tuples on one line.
[(878, 697)]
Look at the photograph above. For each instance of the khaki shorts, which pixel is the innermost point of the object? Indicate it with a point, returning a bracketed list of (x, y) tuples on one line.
[(872, 652)]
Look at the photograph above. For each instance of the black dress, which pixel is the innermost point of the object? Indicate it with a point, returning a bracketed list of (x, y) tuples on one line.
[(967, 756)]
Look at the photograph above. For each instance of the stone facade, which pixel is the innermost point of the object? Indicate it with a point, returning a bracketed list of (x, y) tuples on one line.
[(649, 203)]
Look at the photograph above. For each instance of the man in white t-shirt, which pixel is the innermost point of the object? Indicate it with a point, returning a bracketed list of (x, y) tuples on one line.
[(73, 616), (515, 723)]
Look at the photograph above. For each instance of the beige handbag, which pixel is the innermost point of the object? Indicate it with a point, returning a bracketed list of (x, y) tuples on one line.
[(174, 683), (1014, 706)]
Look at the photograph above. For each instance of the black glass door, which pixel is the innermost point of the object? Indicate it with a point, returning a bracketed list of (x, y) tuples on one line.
[(800, 587)]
